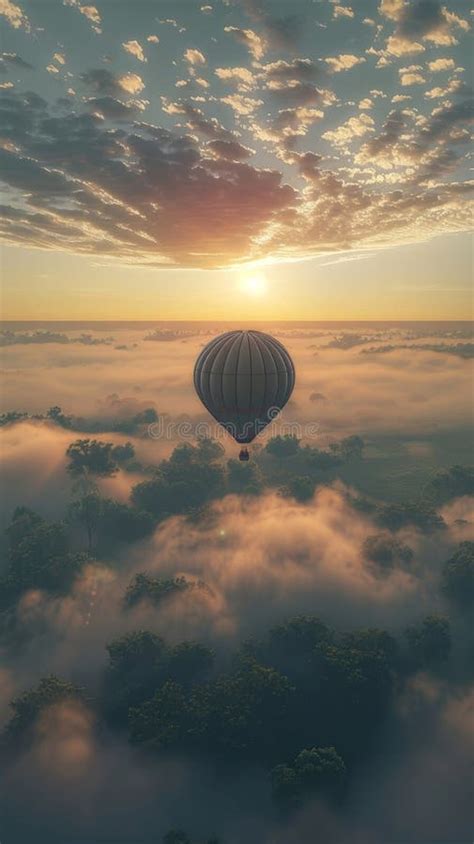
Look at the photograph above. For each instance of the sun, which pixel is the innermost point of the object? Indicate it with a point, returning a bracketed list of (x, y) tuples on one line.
[(254, 283)]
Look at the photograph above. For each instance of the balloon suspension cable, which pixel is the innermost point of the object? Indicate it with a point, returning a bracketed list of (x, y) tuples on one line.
[(244, 454)]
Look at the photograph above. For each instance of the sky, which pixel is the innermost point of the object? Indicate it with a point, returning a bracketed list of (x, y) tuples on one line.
[(236, 159)]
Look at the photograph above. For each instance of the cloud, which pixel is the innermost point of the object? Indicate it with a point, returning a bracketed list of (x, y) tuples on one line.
[(241, 105), (296, 70), (15, 60), (135, 49), (441, 64), (454, 86), (102, 81), (231, 150), (113, 109), (170, 167), (423, 20), (90, 12), (343, 62), (254, 43), (240, 76), (428, 147), (110, 212), (391, 9), (342, 11), (196, 120), (131, 83), (14, 14), (194, 57), (354, 127), (411, 75)]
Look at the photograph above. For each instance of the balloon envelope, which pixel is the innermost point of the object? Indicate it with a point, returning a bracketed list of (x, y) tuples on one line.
[(244, 378)]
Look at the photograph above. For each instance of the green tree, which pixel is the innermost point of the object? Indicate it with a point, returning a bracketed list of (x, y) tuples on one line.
[(91, 457), (141, 662), (244, 478), (134, 671), (314, 771), (39, 555), (187, 480), (123, 454), (154, 589), (11, 417), (386, 552), (319, 460), (429, 642), (420, 514), (121, 523), (457, 578), (176, 836), (164, 721), (349, 448), (290, 645), (188, 663), (87, 511), (29, 705), (283, 446), (56, 415), (453, 483), (301, 488), (244, 712)]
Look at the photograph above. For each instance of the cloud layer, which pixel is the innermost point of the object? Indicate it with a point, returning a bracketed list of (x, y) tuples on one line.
[(120, 167)]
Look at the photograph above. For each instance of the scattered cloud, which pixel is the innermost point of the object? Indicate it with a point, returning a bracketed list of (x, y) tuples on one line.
[(241, 105), (354, 127), (441, 64), (411, 75), (421, 21), (15, 60), (242, 77), (14, 14), (343, 62), (254, 43), (135, 49), (342, 12), (194, 57), (90, 12)]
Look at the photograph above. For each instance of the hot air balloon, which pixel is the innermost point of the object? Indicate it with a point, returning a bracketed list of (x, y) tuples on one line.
[(244, 378)]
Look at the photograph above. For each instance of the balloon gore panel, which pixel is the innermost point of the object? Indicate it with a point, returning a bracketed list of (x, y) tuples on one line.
[(244, 378)]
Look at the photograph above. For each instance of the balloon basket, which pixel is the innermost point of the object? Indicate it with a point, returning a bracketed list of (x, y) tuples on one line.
[(244, 455)]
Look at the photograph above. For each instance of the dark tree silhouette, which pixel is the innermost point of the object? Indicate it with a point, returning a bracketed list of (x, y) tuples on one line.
[(189, 478), (301, 488), (29, 705), (429, 642), (453, 483), (457, 579), (154, 589), (315, 771), (283, 446)]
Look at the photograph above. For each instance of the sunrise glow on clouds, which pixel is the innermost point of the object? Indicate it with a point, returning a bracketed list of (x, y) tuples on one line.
[(207, 136)]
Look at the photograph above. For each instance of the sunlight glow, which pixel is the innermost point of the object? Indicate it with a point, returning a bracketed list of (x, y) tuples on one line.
[(254, 284)]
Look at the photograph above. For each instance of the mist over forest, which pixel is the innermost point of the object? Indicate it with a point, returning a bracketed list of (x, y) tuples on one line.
[(196, 650)]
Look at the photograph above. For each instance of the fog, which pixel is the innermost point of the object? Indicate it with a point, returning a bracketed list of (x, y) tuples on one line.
[(254, 562)]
